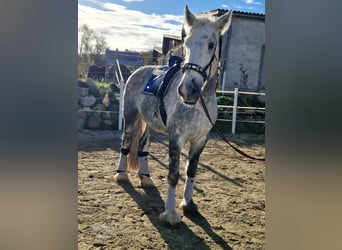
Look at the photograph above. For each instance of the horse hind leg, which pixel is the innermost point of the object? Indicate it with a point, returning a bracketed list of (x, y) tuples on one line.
[(143, 152), (121, 171), (126, 142), (134, 152), (188, 205)]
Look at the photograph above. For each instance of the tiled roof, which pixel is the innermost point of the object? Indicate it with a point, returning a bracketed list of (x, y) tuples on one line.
[(248, 14), (220, 12)]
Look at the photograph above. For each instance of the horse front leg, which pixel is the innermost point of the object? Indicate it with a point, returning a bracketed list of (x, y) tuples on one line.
[(170, 215), (196, 148)]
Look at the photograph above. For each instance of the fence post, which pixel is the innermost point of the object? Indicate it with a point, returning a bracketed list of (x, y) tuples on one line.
[(121, 95), (224, 81), (236, 94)]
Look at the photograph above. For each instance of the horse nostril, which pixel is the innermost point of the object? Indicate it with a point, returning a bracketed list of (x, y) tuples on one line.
[(195, 87), (181, 91)]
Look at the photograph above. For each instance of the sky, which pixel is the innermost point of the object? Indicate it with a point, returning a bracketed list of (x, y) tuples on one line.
[(139, 25)]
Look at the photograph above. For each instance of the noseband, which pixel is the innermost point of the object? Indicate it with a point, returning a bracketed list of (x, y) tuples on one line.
[(198, 68)]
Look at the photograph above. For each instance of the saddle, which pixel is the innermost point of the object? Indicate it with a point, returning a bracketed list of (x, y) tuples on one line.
[(159, 84)]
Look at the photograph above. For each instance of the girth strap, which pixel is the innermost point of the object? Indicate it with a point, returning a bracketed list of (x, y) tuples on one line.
[(164, 87)]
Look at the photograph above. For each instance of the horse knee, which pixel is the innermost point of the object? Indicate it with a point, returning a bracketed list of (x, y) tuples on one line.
[(173, 179)]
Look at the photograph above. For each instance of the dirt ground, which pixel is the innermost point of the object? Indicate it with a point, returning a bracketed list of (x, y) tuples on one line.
[(229, 192)]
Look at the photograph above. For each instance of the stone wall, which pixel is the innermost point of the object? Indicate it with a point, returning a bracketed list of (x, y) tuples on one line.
[(96, 111)]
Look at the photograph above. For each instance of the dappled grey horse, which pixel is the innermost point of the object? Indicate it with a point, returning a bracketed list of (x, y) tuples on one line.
[(186, 120)]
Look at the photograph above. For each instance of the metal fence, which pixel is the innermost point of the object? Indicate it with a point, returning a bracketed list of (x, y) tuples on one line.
[(235, 108)]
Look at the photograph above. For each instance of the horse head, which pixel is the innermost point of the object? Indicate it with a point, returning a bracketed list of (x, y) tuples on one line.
[(201, 46)]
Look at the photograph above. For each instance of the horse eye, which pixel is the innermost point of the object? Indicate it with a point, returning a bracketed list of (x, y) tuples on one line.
[(211, 45)]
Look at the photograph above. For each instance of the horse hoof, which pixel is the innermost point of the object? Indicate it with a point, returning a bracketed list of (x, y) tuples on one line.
[(121, 177), (189, 207), (170, 217), (146, 181)]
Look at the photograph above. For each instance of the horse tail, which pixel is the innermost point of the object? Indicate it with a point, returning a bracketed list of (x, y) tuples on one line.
[(132, 158)]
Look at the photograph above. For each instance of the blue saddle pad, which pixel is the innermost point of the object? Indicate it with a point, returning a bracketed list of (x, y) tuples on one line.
[(158, 85), (153, 84)]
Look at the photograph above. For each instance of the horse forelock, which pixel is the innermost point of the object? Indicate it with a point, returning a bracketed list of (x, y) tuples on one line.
[(203, 24)]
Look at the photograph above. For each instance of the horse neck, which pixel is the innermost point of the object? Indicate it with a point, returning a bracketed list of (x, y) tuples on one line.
[(209, 89)]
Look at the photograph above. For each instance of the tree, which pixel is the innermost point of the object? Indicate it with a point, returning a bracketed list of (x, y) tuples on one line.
[(86, 37), (91, 50), (99, 48), (100, 44)]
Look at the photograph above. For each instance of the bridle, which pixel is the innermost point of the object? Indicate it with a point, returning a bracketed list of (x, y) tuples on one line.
[(199, 69)]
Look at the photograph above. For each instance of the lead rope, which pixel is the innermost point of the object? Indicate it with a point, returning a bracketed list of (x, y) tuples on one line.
[(222, 135)]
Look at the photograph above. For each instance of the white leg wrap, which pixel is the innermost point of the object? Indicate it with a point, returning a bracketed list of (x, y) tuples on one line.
[(170, 214), (122, 175), (170, 203), (144, 165), (122, 163), (188, 189)]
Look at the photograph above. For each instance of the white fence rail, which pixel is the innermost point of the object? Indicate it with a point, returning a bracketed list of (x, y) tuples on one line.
[(235, 107)]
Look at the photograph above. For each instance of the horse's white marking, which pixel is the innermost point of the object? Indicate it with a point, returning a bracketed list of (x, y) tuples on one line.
[(170, 203), (188, 189), (122, 163)]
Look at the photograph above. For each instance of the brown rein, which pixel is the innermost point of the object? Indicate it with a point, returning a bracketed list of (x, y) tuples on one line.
[(222, 135)]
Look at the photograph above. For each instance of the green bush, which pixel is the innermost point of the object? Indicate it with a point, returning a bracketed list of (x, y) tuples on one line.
[(103, 87), (225, 100)]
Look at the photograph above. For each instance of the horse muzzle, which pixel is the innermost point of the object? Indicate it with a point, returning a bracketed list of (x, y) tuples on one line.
[(189, 91)]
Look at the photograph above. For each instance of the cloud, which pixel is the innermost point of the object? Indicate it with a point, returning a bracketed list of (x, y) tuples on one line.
[(128, 29), (251, 2), (129, 1), (225, 6)]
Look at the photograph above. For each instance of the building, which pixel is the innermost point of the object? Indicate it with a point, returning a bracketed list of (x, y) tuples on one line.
[(125, 58), (169, 45), (242, 51), (157, 54)]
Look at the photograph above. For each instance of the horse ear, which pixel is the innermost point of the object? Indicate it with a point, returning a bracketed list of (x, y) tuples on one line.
[(189, 19), (223, 22)]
